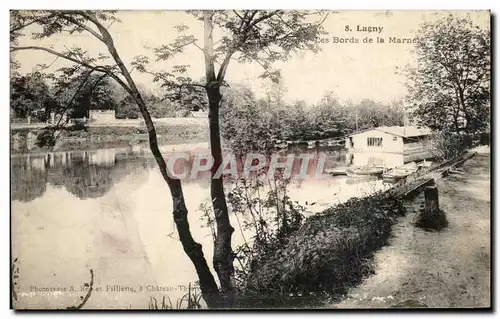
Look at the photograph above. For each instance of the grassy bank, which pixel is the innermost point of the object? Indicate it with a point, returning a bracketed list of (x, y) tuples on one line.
[(331, 252), (24, 140), (449, 268)]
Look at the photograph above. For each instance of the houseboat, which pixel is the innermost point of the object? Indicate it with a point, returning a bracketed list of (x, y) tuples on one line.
[(388, 146)]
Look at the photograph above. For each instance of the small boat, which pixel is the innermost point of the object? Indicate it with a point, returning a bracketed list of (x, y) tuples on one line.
[(324, 143), (331, 143), (401, 172), (337, 171), (364, 171), (311, 144), (334, 143), (280, 144)]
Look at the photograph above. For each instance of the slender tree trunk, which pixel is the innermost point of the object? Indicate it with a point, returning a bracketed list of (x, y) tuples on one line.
[(455, 122), (463, 105), (223, 253), (193, 249)]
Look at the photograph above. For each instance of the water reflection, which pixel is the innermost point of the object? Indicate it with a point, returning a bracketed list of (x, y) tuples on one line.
[(381, 159), (110, 210), (85, 174), (92, 173)]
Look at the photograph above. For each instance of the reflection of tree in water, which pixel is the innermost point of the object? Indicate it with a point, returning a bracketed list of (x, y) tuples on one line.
[(86, 180), (79, 173), (27, 182)]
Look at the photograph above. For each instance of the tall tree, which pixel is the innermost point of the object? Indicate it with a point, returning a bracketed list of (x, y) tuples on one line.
[(30, 95), (450, 86), (261, 36), (246, 36), (251, 35), (96, 24)]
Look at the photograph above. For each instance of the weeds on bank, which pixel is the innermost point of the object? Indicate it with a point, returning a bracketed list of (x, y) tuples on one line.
[(191, 300)]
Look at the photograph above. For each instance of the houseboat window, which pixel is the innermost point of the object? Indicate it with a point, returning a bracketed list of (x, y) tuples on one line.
[(375, 141)]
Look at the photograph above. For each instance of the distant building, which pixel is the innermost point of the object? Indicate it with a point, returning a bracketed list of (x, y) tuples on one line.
[(199, 114), (389, 146), (102, 116)]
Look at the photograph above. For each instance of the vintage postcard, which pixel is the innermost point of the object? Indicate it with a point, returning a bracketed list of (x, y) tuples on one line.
[(250, 159)]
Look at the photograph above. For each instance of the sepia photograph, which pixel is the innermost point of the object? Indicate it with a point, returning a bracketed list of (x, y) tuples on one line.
[(250, 159)]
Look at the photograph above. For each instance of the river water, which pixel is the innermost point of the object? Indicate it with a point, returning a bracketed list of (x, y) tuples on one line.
[(110, 210)]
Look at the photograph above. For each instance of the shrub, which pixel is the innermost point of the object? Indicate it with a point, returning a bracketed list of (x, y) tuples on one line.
[(79, 125), (448, 145), (45, 138), (327, 254), (432, 220)]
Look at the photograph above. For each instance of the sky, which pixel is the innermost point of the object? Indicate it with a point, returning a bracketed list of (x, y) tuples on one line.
[(353, 71)]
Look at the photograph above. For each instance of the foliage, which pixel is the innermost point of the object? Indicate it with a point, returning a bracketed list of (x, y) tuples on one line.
[(448, 145), (245, 126), (29, 95), (327, 254), (248, 124), (265, 213), (78, 92), (432, 220), (450, 87), (126, 109), (45, 138)]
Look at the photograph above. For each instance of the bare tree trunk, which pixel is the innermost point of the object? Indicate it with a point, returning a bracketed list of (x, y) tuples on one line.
[(193, 249), (223, 253)]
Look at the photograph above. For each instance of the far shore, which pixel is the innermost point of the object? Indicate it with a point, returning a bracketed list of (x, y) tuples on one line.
[(24, 140)]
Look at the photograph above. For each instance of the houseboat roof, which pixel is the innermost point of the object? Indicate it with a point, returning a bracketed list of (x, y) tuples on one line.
[(403, 131)]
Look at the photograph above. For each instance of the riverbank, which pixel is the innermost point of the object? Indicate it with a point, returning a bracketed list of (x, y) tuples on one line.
[(444, 269), (336, 252), (23, 140)]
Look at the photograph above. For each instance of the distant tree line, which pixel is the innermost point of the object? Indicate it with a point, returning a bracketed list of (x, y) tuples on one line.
[(75, 93), (250, 123)]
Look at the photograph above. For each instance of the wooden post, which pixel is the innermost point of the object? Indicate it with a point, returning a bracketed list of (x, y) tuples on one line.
[(431, 216), (431, 199)]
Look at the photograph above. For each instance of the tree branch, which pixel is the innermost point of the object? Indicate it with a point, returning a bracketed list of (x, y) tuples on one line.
[(94, 68), (261, 18), (224, 66), (83, 26), (22, 26), (239, 16)]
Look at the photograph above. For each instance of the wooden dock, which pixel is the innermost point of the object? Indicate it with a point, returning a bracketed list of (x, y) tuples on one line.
[(413, 184)]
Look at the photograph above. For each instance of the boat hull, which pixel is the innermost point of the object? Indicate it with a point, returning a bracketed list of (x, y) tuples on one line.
[(337, 171), (363, 172)]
